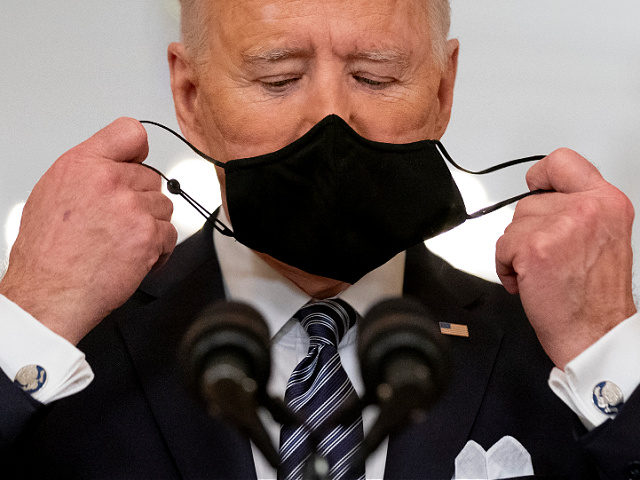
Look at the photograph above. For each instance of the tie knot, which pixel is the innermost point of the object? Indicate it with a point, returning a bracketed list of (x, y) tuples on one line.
[(326, 321)]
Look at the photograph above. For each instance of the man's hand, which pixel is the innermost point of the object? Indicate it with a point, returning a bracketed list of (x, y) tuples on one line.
[(93, 227), (568, 254)]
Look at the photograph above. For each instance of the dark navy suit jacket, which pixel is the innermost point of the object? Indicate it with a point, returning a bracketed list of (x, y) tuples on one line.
[(136, 420)]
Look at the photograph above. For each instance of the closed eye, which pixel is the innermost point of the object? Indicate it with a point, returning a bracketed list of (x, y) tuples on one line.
[(279, 85), (372, 83)]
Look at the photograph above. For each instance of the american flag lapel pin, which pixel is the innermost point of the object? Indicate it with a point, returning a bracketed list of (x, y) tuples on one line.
[(454, 329)]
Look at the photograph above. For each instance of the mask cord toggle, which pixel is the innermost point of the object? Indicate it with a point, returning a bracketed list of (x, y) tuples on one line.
[(174, 187)]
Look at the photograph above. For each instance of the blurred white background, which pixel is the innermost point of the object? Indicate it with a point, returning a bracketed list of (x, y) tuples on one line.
[(533, 76)]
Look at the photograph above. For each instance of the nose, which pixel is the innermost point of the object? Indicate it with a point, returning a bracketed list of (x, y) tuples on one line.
[(328, 94)]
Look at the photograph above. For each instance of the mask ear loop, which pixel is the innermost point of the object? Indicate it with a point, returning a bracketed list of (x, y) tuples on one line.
[(217, 163), (500, 166), (174, 187)]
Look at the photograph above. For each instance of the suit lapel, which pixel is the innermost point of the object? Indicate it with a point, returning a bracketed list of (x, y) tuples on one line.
[(201, 447), (205, 447), (414, 452)]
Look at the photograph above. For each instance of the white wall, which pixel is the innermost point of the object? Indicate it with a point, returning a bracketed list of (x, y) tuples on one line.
[(533, 76)]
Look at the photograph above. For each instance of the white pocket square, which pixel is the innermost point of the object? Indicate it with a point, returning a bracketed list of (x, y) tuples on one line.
[(507, 458)]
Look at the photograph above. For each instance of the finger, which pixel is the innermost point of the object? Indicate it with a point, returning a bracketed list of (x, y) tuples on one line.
[(167, 239), (522, 238), (505, 254), (506, 274), (156, 204), (516, 237), (124, 140), (564, 171), (509, 282), (542, 204), (140, 178)]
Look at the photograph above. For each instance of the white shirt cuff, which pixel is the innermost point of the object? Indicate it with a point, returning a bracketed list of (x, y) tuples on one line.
[(25, 341), (614, 358)]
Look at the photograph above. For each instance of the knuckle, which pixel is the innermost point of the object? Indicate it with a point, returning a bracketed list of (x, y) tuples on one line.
[(507, 231), (147, 229), (622, 205), (173, 236), (535, 179), (140, 227), (564, 162), (105, 177), (128, 203), (564, 157), (149, 244), (502, 245), (145, 178), (145, 243), (539, 247), (588, 209), (523, 206), (562, 152), (530, 178), (565, 226), (168, 206), (155, 182)]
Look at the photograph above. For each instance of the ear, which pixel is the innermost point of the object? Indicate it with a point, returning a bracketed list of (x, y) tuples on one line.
[(184, 86), (447, 82)]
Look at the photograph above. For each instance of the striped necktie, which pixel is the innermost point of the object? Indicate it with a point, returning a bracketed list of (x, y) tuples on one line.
[(318, 387)]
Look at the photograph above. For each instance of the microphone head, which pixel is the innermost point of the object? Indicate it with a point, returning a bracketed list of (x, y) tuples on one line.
[(232, 336), (227, 363), (399, 345)]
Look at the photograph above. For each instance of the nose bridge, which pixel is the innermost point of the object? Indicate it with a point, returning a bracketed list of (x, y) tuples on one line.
[(329, 94)]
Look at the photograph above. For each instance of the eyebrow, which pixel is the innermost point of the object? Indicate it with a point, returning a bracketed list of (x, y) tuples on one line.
[(275, 55), (382, 56)]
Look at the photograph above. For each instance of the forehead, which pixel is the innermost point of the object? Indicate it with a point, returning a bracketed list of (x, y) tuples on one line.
[(248, 26)]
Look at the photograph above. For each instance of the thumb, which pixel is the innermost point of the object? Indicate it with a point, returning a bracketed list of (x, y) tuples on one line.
[(124, 140), (564, 171)]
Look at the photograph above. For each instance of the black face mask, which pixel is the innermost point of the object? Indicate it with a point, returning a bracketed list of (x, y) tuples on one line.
[(337, 205)]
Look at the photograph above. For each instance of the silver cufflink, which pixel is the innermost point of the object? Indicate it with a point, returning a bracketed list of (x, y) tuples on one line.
[(31, 378), (608, 398)]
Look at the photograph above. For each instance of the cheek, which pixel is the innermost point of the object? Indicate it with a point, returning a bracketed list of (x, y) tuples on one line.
[(406, 116), (237, 125)]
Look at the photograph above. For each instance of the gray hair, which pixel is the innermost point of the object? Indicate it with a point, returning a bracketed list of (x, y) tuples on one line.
[(440, 23), (193, 21)]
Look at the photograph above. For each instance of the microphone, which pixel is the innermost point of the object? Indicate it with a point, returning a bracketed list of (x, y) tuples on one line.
[(227, 363), (404, 363)]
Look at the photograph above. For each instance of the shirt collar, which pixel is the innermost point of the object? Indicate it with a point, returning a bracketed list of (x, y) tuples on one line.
[(248, 278)]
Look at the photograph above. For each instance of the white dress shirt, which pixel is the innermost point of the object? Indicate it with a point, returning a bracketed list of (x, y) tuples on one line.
[(248, 278), (25, 341)]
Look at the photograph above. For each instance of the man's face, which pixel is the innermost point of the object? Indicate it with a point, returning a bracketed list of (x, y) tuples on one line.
[(274, 68)]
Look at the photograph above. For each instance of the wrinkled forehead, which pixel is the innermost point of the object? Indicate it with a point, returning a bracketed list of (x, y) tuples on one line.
[(252, 26)]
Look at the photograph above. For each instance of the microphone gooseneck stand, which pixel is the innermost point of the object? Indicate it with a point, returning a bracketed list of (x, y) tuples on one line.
[(403, 358), (226, 360), (405, 365)]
